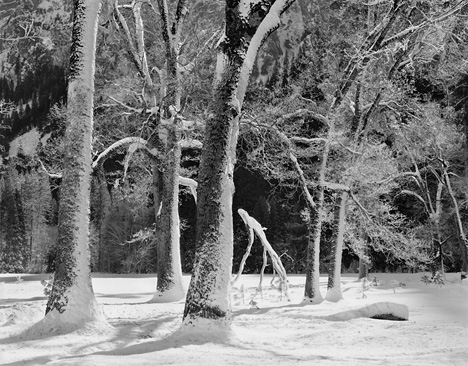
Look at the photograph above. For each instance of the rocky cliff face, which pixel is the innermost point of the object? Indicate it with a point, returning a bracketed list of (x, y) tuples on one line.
[(33, 56)]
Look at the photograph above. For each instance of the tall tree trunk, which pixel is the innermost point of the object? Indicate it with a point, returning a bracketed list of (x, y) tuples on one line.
[(165, 170), (72, 302), (169, 284), (247, 27), (312, 285), (208, 295), (363, 268), (334, 274), (364, 258)]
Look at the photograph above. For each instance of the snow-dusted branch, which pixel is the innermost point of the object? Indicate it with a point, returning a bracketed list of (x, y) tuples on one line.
[(191, 184), (51, 175), (116, 145), (360, 206), (417, 196), (131, 109), (190, 144), (305, 112), (431, 21), (461, 230), (302, 179), (398, 176), (254, 226), (269, 24)]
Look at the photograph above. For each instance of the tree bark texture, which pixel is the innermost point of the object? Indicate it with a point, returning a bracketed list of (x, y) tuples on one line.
[(72, 299)]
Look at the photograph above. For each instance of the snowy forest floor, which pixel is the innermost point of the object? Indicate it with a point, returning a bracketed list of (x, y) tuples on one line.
[(278, 332)]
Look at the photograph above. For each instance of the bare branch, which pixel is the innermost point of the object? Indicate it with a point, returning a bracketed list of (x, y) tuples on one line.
[(360, 206), (116, 145), (302, 179), (415, 195), (51, 175), (124, 105), (397, 176)]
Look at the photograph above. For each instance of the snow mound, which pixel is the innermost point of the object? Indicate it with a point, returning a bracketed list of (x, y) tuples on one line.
[(175, 294), (21, 314), (380, 310), (48, 327), (202, 330)]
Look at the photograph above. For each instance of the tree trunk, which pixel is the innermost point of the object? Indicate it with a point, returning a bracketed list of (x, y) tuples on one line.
[(312, 286), (363, 268), (334, 274), (72, 302), (208, 297), (169, 284), (364, 258)]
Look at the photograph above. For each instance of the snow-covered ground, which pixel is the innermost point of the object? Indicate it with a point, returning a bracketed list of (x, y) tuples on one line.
[(274, 332)]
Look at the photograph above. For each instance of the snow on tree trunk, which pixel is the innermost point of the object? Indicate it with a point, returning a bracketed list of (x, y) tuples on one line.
[(255, 226), (72, 303), (312, 286), (248, 24), (246, 255), (169, 283), (334, 275), (363, 264)]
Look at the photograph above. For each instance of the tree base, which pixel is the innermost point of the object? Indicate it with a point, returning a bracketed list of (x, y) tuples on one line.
[(334, 295), (312, 300), (172, 295), (55, 323)]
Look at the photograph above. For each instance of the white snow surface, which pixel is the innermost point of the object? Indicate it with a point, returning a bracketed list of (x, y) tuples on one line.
[(274, 332)]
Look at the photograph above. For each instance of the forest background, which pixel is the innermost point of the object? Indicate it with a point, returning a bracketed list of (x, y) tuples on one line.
[(387, 117)]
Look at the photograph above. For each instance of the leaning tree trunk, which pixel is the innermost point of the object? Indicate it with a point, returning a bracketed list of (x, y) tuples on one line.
[(247, 27), (334, 275), (72, 302)]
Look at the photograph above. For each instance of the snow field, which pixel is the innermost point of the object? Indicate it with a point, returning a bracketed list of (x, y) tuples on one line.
[(267, 329)]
